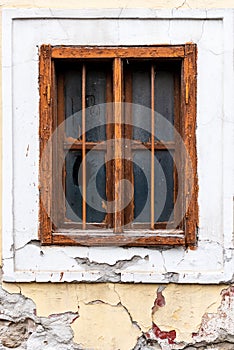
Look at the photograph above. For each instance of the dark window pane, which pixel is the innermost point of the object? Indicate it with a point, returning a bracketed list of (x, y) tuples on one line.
[(141, 171), (95, 99), (164, 186), (73, 105), (96, 186), (164, 104), (141, 95), (73, 181), (96, 95)]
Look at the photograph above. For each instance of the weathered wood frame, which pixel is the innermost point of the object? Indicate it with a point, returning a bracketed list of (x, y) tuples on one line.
[(187, 235)]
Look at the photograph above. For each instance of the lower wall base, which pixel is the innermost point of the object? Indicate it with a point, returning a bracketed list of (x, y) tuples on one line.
[(116, 317)]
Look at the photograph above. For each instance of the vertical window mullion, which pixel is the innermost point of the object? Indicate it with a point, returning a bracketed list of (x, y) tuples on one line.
[(83, 148), (152, 208), (117, 82)]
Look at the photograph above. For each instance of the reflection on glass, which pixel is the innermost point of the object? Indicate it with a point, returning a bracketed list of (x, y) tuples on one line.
[(164, 186), (164, 105), (95, 181)]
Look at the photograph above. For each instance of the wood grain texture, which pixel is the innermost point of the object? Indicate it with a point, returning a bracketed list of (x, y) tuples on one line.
[(117, 81), (83, 146), (45, 131), (143, 238), (152, 193), (164, 51), (191, 190)]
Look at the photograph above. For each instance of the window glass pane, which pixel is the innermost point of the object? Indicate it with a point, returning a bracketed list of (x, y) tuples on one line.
[(96, 95), (141, 171), (72, 100), (96, 186), (164, 186), (164, 104), (97, 75), (73, 181), (141, 95), (95, 99)]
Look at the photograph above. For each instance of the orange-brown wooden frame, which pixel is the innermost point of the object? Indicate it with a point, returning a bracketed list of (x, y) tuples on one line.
[(47, 232)]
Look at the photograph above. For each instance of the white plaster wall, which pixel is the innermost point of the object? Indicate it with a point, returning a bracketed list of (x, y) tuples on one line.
[(23, 257)]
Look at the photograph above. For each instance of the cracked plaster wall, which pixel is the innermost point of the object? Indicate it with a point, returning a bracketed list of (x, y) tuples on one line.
[(120, 3), (115, 316)]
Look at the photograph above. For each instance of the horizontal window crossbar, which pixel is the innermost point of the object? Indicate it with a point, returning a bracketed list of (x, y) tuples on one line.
[(76, 145)]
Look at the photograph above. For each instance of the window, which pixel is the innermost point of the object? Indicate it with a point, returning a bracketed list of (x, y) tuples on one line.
[(117, 145)]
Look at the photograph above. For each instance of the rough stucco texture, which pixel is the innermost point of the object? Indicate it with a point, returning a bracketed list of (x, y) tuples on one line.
[(21, 328), (108, 317)]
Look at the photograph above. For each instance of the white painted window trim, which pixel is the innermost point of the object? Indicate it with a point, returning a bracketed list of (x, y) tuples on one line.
[(23, 258)]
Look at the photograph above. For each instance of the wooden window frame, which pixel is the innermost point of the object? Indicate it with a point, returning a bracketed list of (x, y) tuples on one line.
[(186, 236)]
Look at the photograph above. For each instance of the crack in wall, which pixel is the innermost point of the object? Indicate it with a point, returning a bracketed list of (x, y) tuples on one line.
[(119, 305), (170, 276), (185, 2), (20, 325), (134, 323)]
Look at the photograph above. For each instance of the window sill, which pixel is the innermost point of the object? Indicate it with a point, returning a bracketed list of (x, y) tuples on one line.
[(128, 238)]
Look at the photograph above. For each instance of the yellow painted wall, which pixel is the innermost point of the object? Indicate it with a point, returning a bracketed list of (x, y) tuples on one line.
[(107, 310)]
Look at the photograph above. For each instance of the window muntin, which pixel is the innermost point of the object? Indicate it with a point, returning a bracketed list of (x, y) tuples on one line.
[(81, 79)]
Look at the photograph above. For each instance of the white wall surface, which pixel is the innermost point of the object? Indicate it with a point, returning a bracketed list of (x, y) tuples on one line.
[(23, 257)]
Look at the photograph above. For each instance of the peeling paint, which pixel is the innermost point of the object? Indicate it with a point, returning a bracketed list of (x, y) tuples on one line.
[(110, 272), (171, 276), (114, 323), (21, 327), (159, 301), (216, 330), (155, 334), (217, 327)]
